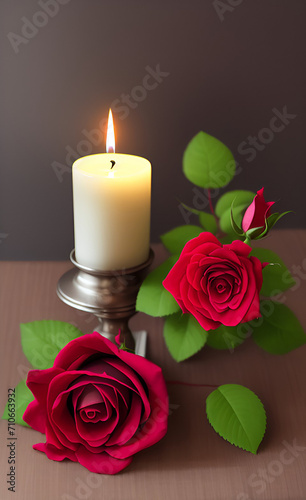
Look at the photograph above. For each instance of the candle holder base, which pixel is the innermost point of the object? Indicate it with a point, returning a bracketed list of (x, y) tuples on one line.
[(109, 295)]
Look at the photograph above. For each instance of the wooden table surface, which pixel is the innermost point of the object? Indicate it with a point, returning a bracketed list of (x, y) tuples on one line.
[(192, 461)]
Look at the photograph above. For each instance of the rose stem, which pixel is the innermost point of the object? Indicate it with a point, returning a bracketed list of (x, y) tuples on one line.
[(212, 208)]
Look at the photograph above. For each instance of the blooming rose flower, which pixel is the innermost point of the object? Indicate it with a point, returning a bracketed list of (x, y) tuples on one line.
[(97, 405), (217, 284), (257, 213)]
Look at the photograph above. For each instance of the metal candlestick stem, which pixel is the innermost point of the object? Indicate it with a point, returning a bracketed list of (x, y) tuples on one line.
[(109, 295)]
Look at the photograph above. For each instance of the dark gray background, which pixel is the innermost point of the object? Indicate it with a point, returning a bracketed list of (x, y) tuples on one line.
[(228, 71)]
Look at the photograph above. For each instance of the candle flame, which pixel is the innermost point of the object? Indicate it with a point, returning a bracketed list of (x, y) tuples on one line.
[(110, 136)]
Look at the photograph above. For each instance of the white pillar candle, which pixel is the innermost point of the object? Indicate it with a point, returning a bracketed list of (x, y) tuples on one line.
[(111, 210), (112, 206)]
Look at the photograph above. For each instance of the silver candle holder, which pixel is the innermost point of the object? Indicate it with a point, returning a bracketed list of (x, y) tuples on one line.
[(109, 295)]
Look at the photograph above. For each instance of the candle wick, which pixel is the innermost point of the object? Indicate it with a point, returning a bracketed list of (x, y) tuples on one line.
[(113, 163)]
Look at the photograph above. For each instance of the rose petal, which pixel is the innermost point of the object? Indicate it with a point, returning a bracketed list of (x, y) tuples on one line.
[(257, 266), (232, 317), (89, 399), (90, 395), (116, 369), (153, 430), (81, 349), (54, 453), (204, 243), (173, 278), (97, 412), (96, 434), (36, 416), (64, 425), (254, 310), (154, 380), (202, 316), (220, 297), (38, 382), (57, 439), (240, 248), (127, 429), (256, 214), (101, 463), (248, 217), (193, 274), (205, 322), (227, 255)]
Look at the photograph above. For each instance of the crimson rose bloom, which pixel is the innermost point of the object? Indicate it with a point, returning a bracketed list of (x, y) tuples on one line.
[(257, 213), (217, 284), (97, 405)]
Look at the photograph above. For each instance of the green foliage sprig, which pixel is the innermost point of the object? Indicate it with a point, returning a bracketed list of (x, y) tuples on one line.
[(208, 163)]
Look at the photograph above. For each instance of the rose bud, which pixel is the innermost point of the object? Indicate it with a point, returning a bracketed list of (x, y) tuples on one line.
[(257, 213)]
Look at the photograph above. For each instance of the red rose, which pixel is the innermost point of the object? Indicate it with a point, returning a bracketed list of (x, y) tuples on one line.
[(97, 405), (257, 213), (217, 284)]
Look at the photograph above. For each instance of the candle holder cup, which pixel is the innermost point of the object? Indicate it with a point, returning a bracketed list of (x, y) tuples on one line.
[(109, 295)]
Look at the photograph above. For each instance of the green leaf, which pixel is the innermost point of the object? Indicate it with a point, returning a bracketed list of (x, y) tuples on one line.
[(260, 233), (278, 331), (176, 239), (190, 209), (239, 197), (228, 238), (42, 340), (207, 162), (237, 415), (153, 298), (208, 221), (274, 218), (276, 276), (235, 227), (19, 402), (226, 218), (255, 233), (184, 336), (271, 221), (225, 337)]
